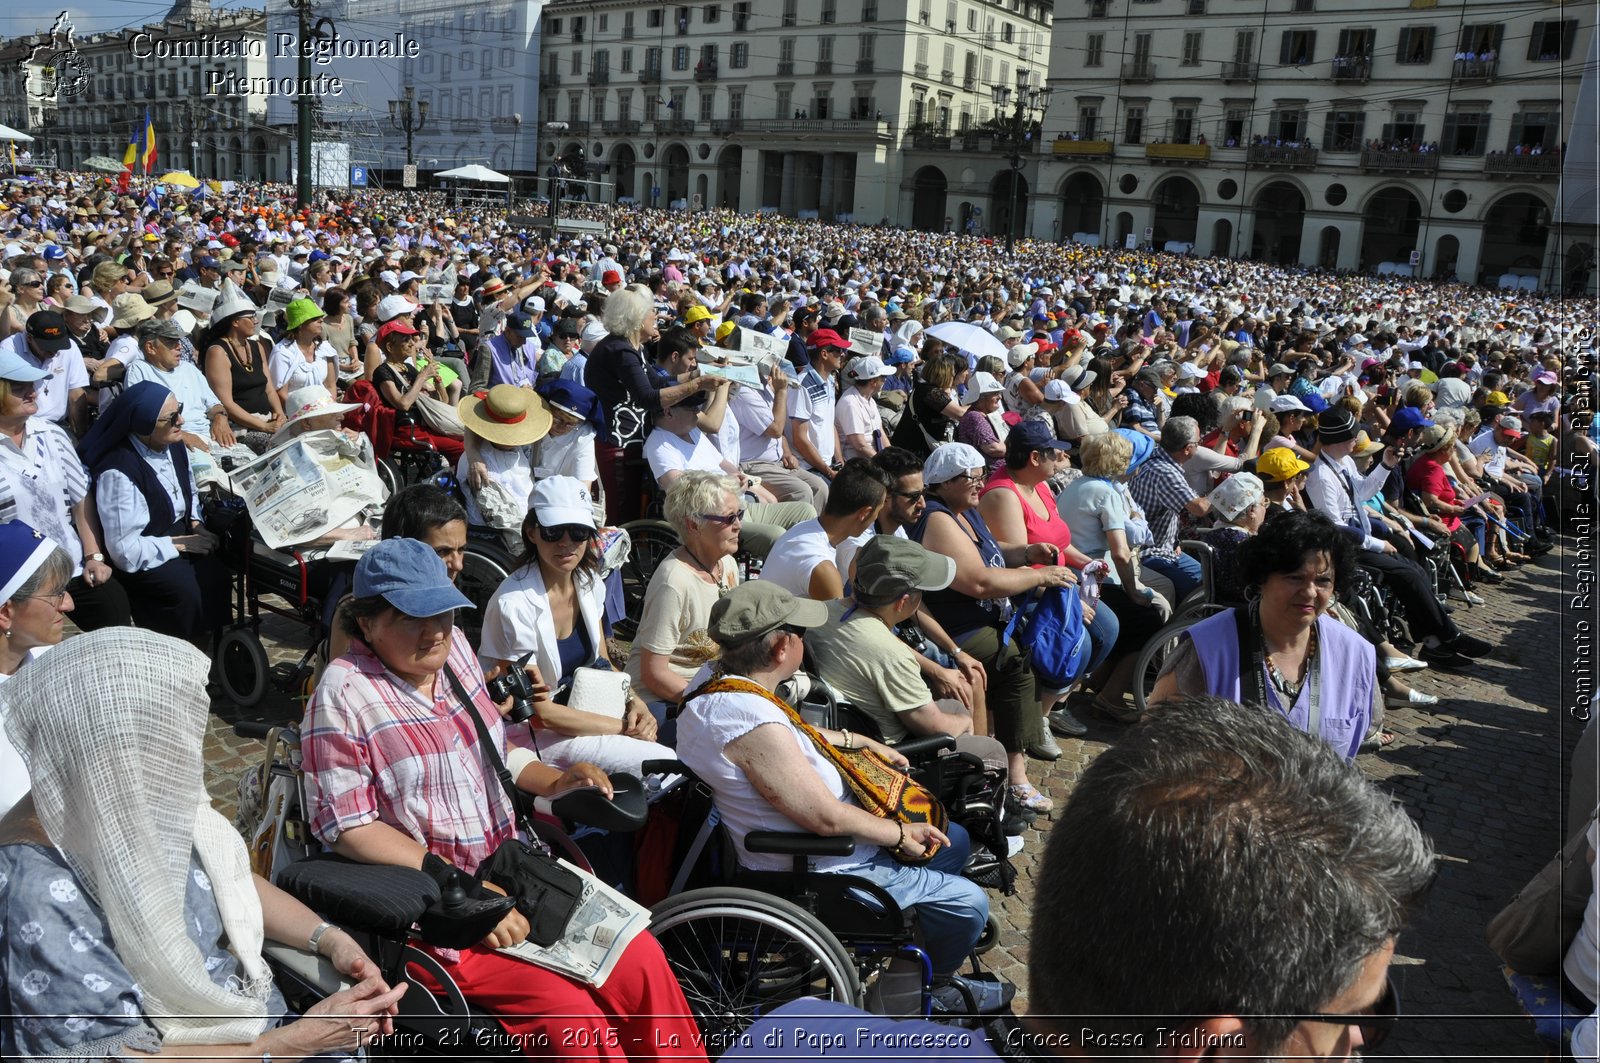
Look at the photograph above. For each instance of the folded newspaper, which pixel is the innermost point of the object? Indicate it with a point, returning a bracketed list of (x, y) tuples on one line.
[(309, 486), (599, 932)]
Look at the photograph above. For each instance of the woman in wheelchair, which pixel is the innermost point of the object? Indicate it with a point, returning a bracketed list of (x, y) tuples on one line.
[(767, 774), (132, 923), (395, 774), (1282, 650), (149, 508), (553, 606)]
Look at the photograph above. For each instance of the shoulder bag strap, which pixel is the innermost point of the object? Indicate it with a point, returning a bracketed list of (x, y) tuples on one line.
[(491, 755), (1252, 660)]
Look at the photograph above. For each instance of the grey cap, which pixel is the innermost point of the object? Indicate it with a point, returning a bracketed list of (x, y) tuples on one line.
[(890, 565), (756, 608), (1279, 369), (162, 327)]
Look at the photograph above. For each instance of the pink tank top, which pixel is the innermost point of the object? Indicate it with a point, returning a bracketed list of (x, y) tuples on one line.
[(1046, 529)]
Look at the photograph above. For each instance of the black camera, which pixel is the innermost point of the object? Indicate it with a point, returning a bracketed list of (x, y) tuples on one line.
[(516, 685)]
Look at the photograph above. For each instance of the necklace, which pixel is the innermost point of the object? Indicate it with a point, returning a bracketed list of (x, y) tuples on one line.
[(1290, 688), (716, 577), (248, 362)]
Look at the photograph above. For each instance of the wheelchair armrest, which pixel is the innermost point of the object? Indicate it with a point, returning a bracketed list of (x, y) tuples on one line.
[(379, 898), (625, 810), (311, 970), (667, 767), (920, 748), (797, 843)]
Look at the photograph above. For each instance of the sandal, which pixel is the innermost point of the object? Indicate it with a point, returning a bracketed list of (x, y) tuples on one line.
[(1028, 796), (1379, 741)]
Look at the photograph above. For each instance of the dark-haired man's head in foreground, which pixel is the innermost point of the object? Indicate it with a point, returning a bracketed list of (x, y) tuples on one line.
[(1217, 883)]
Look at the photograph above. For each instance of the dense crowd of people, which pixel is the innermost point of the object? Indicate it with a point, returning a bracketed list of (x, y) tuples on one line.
[(898, 461)]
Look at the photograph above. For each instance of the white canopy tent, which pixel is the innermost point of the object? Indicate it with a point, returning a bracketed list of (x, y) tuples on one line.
[(474, 172), (7, 133)]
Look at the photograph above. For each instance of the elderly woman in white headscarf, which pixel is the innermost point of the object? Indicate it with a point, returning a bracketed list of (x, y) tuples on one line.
[(131, 921)]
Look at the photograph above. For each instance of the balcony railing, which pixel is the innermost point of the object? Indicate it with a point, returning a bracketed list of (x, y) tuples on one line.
[(723, 126), (675, 125), (621, 127), (1291, 158), (824, 66), (1083, 149), (785, 67), (1180, 153), (863, 66), (464, 125), (1138, 71), (833, 127), (1402, 161), (1501, 164), (1351, 68), (575, 128), (504, 123), (705, 71), (1475, 69), (920, 69), (650, 74), (1237, 71), (930, 141), (549, 80), (947, 76), (599, 77)]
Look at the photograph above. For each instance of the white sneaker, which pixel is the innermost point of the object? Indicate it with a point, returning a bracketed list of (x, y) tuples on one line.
[(1015, 845), (1404, 664), (1473, 599)]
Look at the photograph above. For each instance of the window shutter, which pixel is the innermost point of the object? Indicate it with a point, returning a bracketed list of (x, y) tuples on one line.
[(1311, 47), (1480, 139), (1569, 30), (1534, 38), (1283, 53), (1403, 49)]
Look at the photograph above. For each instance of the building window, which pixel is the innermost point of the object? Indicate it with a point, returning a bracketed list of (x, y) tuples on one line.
[(627, 25), (712, 13), (785, 102), (708, 104), (788, 13), (741, 16), (1008, 33), (1234, 127), (1299, 47), (1287, 126), (1183, 130), (1534, 129), (627, 60), (553, 26), (1416, 46), (1344, 131), (680, 57), (652, 61), (869, 11), (1465, 133), (1406, 129), (1094, 48), (625, 106), (1133, 125), (1088, 121), (786, 55), (1197, 7), (1303, 6), (683, 21), (739, 55), (605, 23), (577, 62), (924, 15), (1191, 48), (736, 104), (505, 58), (577, 29), (825, 49), (652, 18), (1551, 41), (819, 106), (444, 66), (830, 12)]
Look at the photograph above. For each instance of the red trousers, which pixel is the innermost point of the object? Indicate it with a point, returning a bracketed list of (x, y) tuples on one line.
[(640, 1012)]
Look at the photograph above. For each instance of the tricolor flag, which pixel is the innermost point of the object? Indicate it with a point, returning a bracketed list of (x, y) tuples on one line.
[(147, 144), (131, 156)]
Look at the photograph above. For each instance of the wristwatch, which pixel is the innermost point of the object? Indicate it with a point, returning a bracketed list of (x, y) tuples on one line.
[(96, 557)]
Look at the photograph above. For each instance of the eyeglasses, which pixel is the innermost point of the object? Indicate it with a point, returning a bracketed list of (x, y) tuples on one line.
[(1376, 1022), (791, 629), (908, 496), (55, 598), (724, 519), (577, 533), (966, 477), (171, 420), (32, 284)]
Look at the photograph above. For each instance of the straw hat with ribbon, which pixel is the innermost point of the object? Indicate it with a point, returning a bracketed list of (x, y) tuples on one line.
[(506, 415), (313, 400)]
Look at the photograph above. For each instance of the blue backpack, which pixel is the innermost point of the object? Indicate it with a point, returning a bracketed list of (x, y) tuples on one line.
[(1056, 640)]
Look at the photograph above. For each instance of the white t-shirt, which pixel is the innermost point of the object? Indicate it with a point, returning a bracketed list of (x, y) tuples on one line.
[(511, 470), (124, 349), (857, 415), (568, 454), (669, 452), (812, 401), (801, 549), (711, 722), (14, 782), (752, 409), (1483, 445), (190, 386), (66, 374), (288, 364)]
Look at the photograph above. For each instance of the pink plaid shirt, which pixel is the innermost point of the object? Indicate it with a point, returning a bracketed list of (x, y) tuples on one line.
[(377, 749)]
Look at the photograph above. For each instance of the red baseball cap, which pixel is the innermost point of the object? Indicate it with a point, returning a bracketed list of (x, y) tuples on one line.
[(610, 276), (826, 337), (400, 325)]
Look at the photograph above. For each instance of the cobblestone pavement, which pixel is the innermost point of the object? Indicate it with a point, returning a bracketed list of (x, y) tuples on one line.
[(1484, 776)]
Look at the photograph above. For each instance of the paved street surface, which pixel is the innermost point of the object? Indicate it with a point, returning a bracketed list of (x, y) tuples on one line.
[(1485, 778)]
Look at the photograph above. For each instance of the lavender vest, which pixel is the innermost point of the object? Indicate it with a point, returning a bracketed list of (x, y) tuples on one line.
[(1347, 668)]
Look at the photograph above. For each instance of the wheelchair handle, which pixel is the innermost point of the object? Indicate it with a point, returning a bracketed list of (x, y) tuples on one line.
[(917, 748), (798, 843), (624, 810)]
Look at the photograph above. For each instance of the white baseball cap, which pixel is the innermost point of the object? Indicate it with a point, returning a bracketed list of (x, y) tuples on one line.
[(979, 385), (393, 306), (871, 368)]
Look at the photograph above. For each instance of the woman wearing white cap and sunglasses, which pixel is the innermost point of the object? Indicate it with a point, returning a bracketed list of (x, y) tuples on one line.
[(553, 606)]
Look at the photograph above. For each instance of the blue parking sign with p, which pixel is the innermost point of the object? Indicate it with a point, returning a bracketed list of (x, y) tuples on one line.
[(358, 176)]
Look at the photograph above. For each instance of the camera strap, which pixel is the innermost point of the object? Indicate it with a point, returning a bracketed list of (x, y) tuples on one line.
[(491, 755)]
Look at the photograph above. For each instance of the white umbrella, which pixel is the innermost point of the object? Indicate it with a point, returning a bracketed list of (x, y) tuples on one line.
[(967, 337), (7, 133), (475, 172)]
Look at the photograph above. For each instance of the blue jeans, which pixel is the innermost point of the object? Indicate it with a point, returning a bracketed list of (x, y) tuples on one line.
[(951, 910), (1103, 632), (1183, 571)]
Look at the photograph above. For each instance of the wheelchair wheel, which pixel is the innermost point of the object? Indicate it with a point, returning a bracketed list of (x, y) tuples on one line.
[(242, 666), (739, 953), (485, 567), (1147, 667), (652, 541), (390, 477)]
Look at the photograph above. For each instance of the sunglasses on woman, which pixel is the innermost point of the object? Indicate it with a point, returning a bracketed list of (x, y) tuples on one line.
[(1376, 1022), (724, 519), (577, 533), (171, 420)]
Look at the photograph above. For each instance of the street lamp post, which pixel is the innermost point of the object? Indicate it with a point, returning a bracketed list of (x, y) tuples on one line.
[(408, 116), (1030, 108), (194, 157), (516, 137), (554, 173)]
